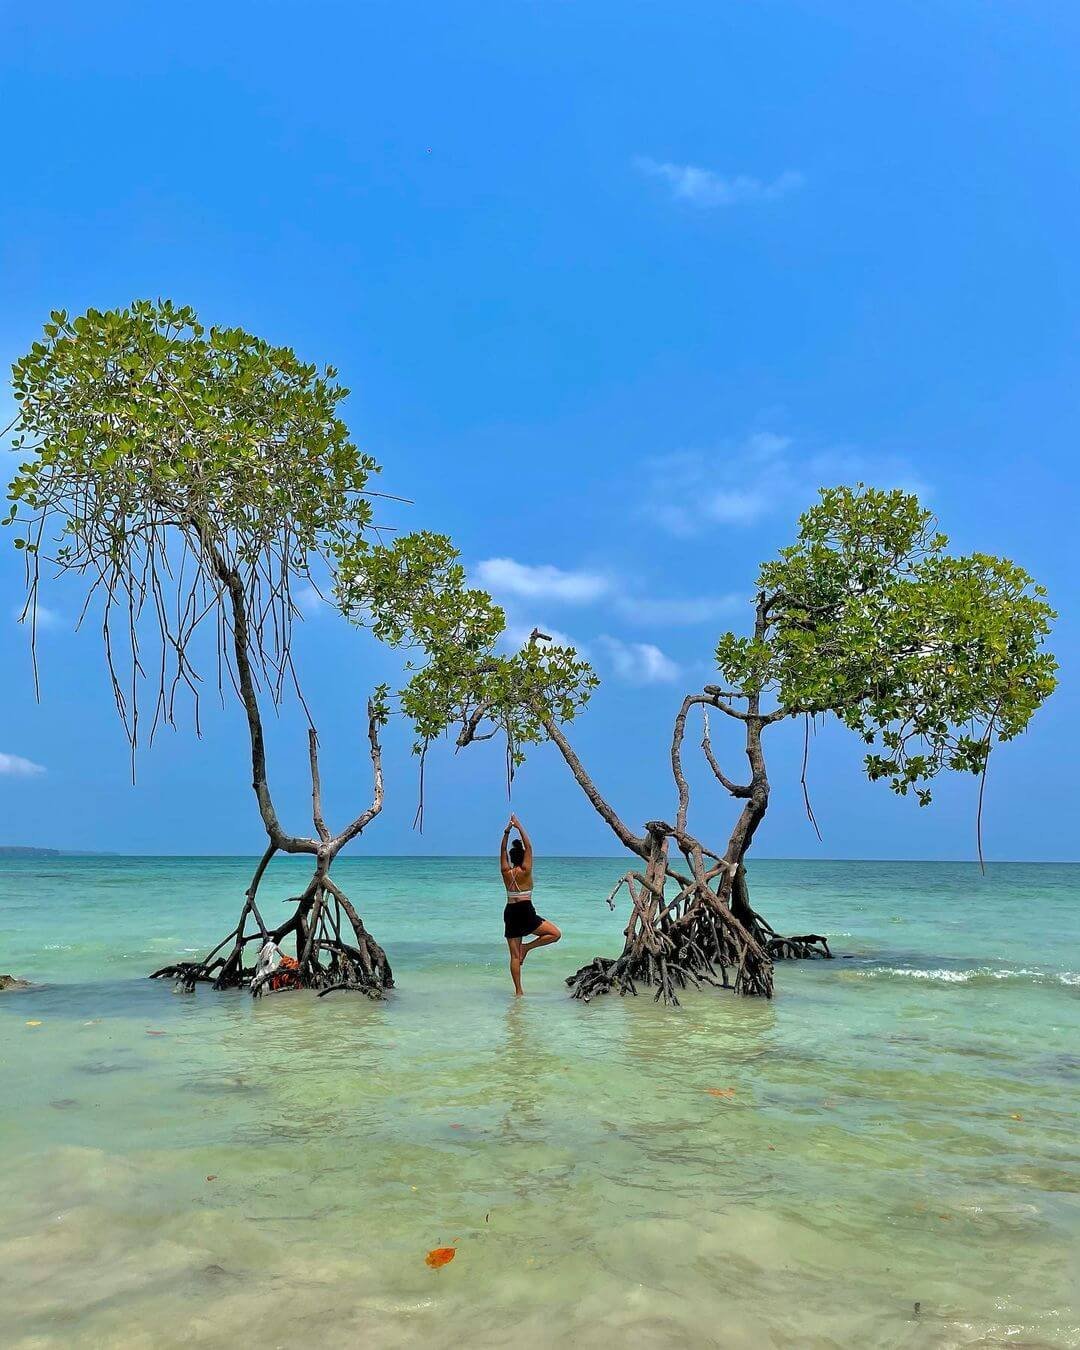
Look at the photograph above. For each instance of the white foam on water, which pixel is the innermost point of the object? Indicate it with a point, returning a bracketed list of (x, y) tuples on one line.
[(976, 974)]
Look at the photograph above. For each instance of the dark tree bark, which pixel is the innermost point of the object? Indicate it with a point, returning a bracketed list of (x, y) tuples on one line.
[(334, 950), (707, 931)]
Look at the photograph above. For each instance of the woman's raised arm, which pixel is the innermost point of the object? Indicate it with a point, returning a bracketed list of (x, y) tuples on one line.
[(527, 864), (504, 861)]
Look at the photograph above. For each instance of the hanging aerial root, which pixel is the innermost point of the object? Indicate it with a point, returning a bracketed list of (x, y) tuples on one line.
[(703, 947)]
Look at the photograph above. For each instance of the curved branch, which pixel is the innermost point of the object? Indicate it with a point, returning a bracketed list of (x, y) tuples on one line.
[(316, 786), (736, 789), (246, 682), (678, 732), (635, 843), (469, 727), (718, 697), (264, 862), (230, 579), (709, 699), (363, 820)]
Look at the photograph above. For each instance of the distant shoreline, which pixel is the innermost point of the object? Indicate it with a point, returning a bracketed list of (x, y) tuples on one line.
[(29, 851)]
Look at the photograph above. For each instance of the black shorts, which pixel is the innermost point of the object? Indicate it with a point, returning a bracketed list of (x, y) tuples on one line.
[(520, 919)]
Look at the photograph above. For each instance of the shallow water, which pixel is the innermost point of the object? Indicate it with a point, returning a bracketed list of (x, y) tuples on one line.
[(896, 1129)]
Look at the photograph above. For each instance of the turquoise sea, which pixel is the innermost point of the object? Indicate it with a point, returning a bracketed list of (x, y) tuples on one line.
[(887, 1154)]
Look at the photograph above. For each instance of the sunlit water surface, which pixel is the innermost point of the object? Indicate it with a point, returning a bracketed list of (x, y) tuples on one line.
[(894, 1158)]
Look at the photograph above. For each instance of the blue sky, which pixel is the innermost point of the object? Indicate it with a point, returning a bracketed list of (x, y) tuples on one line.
[(616, 287)]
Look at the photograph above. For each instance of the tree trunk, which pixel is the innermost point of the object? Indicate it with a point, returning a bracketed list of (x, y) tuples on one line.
[(708, 933), (693, 939), (328, 955)]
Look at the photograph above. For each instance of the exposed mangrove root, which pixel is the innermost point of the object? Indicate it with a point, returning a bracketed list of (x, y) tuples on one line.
[(333, 949), (798, 948), (690, 940), (708, 933)]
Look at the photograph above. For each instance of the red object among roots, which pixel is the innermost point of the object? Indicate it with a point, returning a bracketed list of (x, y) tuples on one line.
[(287, 975)]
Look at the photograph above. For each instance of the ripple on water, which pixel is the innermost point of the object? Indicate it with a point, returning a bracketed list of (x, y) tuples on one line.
[(797, 1173)]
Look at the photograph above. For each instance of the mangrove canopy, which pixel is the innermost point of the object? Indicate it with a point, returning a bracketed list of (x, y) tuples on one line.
[(192, 480)]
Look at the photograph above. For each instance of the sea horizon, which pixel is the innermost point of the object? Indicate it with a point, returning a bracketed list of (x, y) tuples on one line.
[(560, 857)]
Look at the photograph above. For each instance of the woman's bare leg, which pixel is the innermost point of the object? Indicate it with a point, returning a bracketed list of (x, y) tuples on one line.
[(515, 964), (544, 936)]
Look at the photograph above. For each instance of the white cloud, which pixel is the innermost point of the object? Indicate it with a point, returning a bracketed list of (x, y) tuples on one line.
[(308, 600), (704, 187), (674, 611), (640, 662), (505, 576), (765, 474), (14, 766), (47, 619)]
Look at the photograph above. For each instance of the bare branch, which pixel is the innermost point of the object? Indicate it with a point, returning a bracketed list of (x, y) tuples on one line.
[(469, 727), (316, 786), (736, 789), (635, 843), (678, 732), (230, 579), (363, 820), (718, 696)]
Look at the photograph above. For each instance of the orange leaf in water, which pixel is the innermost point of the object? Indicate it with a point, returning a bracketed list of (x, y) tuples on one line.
[(721, 1092), (154, 1033), (1017, 1116), (440, 1256)]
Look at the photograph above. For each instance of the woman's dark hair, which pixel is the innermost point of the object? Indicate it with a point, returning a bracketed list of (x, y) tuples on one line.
[(516, 853)]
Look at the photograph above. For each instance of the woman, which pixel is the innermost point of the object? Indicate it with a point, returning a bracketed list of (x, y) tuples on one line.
[(519, 917)]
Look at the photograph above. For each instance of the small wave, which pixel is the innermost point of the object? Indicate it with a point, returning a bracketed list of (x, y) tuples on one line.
[(977, 975)]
